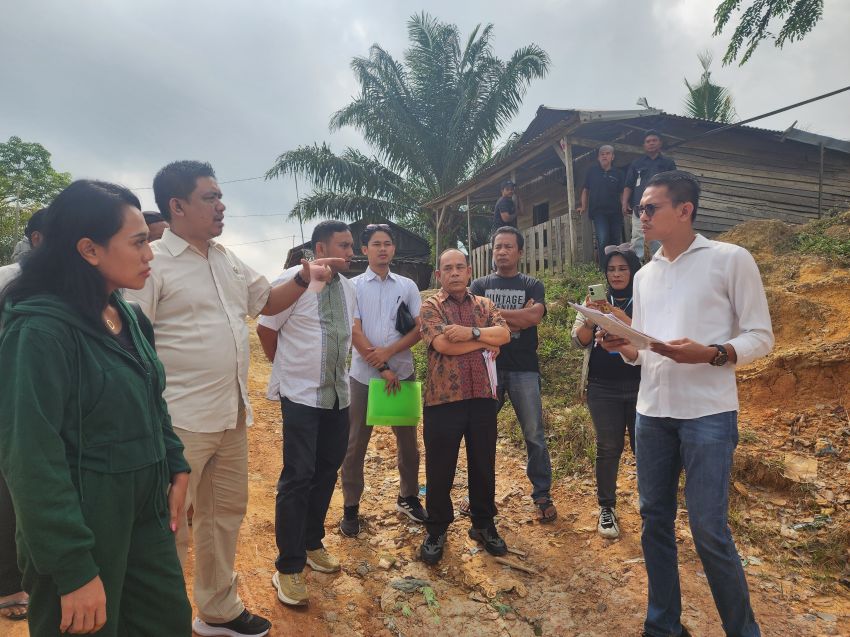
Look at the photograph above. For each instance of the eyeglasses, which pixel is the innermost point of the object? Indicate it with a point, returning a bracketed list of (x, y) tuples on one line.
[(623, 247), (378, 226), (650, 209)]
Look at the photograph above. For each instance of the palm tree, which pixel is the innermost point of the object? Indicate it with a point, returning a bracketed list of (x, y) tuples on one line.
[(431, 120), (707, 100)]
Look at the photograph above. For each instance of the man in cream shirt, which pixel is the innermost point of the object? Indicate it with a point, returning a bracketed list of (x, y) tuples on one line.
[(693, 288), (198, 297)]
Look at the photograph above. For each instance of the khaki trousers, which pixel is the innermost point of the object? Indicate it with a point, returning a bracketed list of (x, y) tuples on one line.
[(218, 489)]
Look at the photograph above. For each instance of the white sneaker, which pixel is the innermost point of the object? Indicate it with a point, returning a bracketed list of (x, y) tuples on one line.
[(608, 527)]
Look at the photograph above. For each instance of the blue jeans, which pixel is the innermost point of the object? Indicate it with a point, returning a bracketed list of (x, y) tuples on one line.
[(609, 231), (704, 448), (524, 391)]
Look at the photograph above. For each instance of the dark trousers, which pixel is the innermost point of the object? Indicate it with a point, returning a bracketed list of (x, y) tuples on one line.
[(10, 576), (609, 231), (612, 406), (445, 425), (135, 552), (314, 445)]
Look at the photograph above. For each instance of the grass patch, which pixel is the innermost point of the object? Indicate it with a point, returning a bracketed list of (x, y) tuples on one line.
[(827, 237)]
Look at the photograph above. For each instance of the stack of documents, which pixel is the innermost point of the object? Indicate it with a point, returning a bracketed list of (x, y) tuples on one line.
[(615, 326)]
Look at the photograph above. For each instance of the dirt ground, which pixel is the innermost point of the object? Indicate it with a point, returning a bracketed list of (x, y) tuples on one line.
[(792, 468)]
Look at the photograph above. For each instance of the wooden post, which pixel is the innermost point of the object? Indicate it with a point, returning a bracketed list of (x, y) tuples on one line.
[(820, 181), (468, 227), (571, 194), (438, 217)]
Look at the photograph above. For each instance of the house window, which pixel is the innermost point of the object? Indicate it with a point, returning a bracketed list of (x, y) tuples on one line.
[(540, 213)]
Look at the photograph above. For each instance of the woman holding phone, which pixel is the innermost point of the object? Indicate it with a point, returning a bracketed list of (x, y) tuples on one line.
[(611, 384), (96, 474)]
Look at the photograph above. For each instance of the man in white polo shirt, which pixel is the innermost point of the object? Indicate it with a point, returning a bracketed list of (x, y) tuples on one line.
[(693, 288), (197, 298), (309, 344)]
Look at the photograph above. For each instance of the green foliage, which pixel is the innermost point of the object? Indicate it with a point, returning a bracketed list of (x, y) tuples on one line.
[(828, 237), (707, 100), (27, 182), (432, 119), (800, 17)]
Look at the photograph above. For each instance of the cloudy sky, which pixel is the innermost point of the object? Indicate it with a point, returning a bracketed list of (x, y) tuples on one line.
[(116, 89)]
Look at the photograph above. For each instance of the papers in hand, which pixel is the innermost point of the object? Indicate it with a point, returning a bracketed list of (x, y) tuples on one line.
[(490, 363), (615, 326)]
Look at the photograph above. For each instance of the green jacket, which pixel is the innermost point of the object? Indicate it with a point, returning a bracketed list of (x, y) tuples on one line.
[(72, 399)]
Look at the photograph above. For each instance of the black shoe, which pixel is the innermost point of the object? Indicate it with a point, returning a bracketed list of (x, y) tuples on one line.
[(489, 537), (684, 633), (412, 508), (431, 550), (349, 525), (246, 625)]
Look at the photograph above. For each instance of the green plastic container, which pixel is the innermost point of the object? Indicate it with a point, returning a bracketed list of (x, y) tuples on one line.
[(402, 409)]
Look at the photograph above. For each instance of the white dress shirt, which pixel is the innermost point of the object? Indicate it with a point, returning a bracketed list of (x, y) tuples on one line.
[(711, 293), (198, 305), (313, 341), (377, 306)]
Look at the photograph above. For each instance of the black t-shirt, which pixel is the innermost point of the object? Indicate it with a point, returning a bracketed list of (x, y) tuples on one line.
[(520, 354), (604, 189), (645, 168), (505, 204), (610, 365)]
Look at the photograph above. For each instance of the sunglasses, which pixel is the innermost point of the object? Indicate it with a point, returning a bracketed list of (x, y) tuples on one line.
[(378, 226), (623, 247), (650, 209)]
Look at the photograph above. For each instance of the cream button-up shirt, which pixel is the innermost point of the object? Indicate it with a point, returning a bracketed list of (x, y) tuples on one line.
[(198, 306)]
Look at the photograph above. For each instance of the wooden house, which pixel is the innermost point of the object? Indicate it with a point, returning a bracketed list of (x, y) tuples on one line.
[(745, 173)]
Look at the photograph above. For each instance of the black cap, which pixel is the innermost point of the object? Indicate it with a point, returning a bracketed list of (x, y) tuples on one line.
[(508, 184)]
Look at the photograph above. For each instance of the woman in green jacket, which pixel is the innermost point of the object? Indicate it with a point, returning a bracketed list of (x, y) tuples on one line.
[(96, 473)]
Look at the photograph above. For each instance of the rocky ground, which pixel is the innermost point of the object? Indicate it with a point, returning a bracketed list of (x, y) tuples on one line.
[(790, 510)]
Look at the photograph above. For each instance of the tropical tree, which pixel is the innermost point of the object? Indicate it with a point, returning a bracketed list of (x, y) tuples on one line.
[(800, 17), (707, 100), (27, 182), (431, 119)]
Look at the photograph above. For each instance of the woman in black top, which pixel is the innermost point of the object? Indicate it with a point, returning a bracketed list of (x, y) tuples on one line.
[(612, 385)]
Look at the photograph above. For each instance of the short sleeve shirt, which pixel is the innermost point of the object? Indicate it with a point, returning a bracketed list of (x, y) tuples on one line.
[(314, 337), (604, 188), (378, 301), (198, 306), (641, 170), (520, 354), (505, 204), (454, 378)]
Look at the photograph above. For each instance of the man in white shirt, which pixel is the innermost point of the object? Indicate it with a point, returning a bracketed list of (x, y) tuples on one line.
[(693, 288), (380, 351), (197, 298), (309, 344)]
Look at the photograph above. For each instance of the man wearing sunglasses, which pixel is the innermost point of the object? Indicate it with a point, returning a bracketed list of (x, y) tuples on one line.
[(693, 291), (640, 171)]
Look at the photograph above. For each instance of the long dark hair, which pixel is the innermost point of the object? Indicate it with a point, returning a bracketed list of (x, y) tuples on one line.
[(86, 208), (634, 265)]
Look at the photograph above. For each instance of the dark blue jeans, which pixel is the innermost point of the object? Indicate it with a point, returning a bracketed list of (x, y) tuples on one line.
[(314, 445), (524, 391), (609, 231), (704, 448)]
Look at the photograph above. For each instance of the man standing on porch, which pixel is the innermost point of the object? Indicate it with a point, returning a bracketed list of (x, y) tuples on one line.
[(520, 300), (508, 207), (638, 175), (687, 406), (600, 197)]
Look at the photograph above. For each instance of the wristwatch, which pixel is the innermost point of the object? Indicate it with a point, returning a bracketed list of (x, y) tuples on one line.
[(476, 333), (300, 281), (722, 356), (383, 368)]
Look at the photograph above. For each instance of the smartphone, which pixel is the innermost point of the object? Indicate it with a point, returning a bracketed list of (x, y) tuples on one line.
[(596, 292)]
